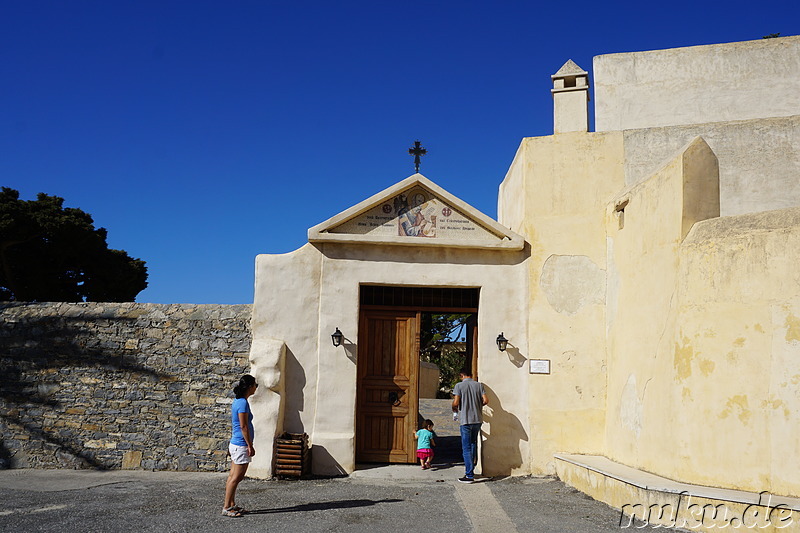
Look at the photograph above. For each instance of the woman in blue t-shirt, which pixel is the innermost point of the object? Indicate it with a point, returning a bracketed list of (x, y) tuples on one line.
[(241, 445)]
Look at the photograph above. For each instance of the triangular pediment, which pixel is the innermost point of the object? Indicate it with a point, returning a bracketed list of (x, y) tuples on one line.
[(570, 68), (416, 212)]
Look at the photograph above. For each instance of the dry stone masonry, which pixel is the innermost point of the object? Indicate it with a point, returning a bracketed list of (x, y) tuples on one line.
[(122, 385)]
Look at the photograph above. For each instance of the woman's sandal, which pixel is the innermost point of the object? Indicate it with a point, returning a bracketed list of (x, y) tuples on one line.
[(238, 509), (231, 513)]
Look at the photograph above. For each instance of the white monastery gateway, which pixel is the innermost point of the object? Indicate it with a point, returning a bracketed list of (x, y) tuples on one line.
[(653, 263)]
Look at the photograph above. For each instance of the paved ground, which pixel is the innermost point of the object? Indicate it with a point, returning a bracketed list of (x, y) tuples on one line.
[(88, 501), (374, 498)]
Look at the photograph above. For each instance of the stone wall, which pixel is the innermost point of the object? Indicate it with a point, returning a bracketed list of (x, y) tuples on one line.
[(123, 385)]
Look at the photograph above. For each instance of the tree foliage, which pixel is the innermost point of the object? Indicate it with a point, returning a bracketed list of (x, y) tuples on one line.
[(441, 342), (49, 252)]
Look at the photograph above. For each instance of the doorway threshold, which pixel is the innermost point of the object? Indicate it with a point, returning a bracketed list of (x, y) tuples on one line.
[(407, 472)]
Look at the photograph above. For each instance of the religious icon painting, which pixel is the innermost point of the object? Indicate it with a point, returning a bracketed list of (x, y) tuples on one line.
[(417, 222)]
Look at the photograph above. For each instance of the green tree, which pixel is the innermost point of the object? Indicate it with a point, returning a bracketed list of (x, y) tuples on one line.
[(49, 252), (441, 341)]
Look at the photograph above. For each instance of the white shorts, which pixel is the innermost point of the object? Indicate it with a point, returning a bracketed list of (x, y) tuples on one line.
[(239, 454)]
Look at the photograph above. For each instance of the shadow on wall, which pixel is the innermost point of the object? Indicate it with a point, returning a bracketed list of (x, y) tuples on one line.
[(295, 400), (324, 462), (5, 456), (351, 349), (38, 363), (501, 452), (515, 356)]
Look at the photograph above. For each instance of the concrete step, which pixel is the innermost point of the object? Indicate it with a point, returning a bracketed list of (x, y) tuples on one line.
[(657, 500)]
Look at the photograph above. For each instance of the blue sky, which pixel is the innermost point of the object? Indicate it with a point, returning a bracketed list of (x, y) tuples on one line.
[(201, 133)]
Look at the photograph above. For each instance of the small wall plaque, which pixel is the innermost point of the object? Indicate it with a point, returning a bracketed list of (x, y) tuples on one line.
[(540, 366)]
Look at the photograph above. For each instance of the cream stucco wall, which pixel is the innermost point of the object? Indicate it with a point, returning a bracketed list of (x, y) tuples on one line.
[(428, 379), (284, 299), (555, 195), (302, 297), (697, 84), (759, 160), (571, 110)]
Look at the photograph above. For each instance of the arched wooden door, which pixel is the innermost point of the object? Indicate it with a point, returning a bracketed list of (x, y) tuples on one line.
[(386, 397)]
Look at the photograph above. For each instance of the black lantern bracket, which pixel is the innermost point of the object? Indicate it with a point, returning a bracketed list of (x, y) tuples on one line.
[(337, 337), (502, 342)]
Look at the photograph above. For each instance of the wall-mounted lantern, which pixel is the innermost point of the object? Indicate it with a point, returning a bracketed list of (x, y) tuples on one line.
[(502, 342), (337, 337)]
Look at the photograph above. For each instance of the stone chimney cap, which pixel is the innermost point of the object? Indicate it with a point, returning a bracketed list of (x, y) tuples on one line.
[(569, 69)]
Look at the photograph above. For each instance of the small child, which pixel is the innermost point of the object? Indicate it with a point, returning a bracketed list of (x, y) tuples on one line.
[(425, 444)]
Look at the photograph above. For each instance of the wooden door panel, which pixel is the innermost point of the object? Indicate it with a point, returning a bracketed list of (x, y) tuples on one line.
[(388, 360), (384, 439)]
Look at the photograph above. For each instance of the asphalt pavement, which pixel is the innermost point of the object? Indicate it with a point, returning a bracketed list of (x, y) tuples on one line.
[(92, 501), (374, 498)]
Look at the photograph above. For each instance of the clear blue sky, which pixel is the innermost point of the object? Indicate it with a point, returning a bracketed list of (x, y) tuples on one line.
[(201, 133)]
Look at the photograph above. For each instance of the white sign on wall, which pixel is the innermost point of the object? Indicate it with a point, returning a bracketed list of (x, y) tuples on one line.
[(539, 366)]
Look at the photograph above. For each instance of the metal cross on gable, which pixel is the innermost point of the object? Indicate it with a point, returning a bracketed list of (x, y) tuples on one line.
[(417, 151)]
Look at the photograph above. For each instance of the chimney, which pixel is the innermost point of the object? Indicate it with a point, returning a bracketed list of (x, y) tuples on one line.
[(570, 98)]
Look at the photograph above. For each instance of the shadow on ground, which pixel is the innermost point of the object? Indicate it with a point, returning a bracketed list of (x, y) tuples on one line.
[(448, 452), (324, 506)]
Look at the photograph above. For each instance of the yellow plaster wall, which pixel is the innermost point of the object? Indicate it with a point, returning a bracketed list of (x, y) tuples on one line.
[(643, 244), (642, 416), (704, 364), (739, 365), (688, 366), (554, 195)]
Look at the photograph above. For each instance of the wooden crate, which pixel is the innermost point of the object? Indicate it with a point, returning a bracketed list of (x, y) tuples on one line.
[(292, 456)]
